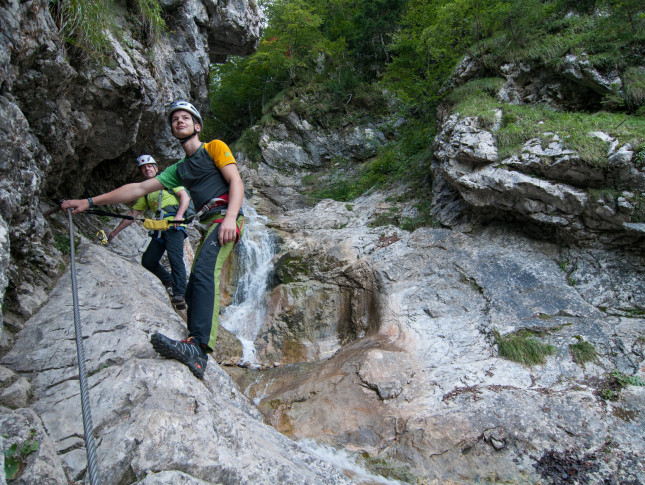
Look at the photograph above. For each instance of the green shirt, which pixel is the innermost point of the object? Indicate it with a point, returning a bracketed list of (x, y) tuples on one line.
[(200, 173), (169, 202)]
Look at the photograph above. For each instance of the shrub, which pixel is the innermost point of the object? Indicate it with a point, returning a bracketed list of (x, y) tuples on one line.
[(249, 144)]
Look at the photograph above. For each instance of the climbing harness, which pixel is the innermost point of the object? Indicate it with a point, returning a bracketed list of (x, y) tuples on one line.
[(90, 446)]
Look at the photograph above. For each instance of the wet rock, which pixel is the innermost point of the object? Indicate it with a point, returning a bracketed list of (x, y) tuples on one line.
[(425, 379)]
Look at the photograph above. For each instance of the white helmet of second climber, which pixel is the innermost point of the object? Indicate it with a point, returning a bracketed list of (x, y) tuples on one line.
[(185, 106), (145, 160)]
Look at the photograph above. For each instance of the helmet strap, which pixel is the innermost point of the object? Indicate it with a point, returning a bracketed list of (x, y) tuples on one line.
[(185, 139), (195, 132)]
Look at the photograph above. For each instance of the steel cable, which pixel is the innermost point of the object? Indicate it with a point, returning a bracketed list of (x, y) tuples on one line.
[(90, 447)]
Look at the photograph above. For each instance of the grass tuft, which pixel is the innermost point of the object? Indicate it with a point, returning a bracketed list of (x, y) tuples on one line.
[(86, 25), (523, 347), (583, 352)]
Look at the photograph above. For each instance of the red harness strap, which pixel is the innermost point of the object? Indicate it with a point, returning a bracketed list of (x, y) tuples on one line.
[(223, 201)]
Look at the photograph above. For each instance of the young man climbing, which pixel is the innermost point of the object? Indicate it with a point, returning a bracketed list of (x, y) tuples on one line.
[(170, 205), (210, 174)]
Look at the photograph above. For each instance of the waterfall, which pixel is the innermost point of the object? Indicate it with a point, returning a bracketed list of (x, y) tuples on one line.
[(245, 316)]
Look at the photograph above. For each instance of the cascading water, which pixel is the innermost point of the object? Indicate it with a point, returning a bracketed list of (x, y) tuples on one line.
[(348, 463), (245, 316)]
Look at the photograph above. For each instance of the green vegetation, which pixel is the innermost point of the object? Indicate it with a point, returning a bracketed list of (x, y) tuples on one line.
[(612, 195), (15, 456), (86, 25), (423, 217), (405, 160), (583, 352), (435, 35), (249, 142), (523, 347), (289, 269), (638, 215), (639, 156), (388, 218), (389, 468), (636, 312), (323, 54), (61, 242), (149, 15), (338, 62), (615, 382), (521, 123)]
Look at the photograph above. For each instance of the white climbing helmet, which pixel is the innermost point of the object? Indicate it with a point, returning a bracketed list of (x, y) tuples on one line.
[(145, 160), (185, 106)]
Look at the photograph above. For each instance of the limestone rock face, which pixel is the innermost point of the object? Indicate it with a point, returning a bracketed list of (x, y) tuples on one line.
[(554, 190), (381, 341), (292, 148), (295, 144), (154, 421), (73, 122), (423, 381), (546, 184)]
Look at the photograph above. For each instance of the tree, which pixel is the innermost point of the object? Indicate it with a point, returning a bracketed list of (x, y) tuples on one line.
[(434, 37), (293, 50)]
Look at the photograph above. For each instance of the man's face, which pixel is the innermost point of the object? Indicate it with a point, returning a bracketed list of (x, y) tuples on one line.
[(182, 124), (149, 170)]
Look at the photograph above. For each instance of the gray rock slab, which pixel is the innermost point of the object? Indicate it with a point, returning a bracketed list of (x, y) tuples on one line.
[(150, 414)]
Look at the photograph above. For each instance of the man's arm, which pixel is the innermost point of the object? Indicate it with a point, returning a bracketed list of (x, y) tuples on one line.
[(125, 193), (228, 227), (124, 223), (184, 202)]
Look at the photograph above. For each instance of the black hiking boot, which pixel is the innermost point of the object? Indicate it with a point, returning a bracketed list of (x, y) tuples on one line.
[(188, 352), (179, 302)]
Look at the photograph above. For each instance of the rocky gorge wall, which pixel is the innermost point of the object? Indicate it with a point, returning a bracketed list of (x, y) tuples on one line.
[(547, 185), (541, 244), (378, 340), (74, 126)]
